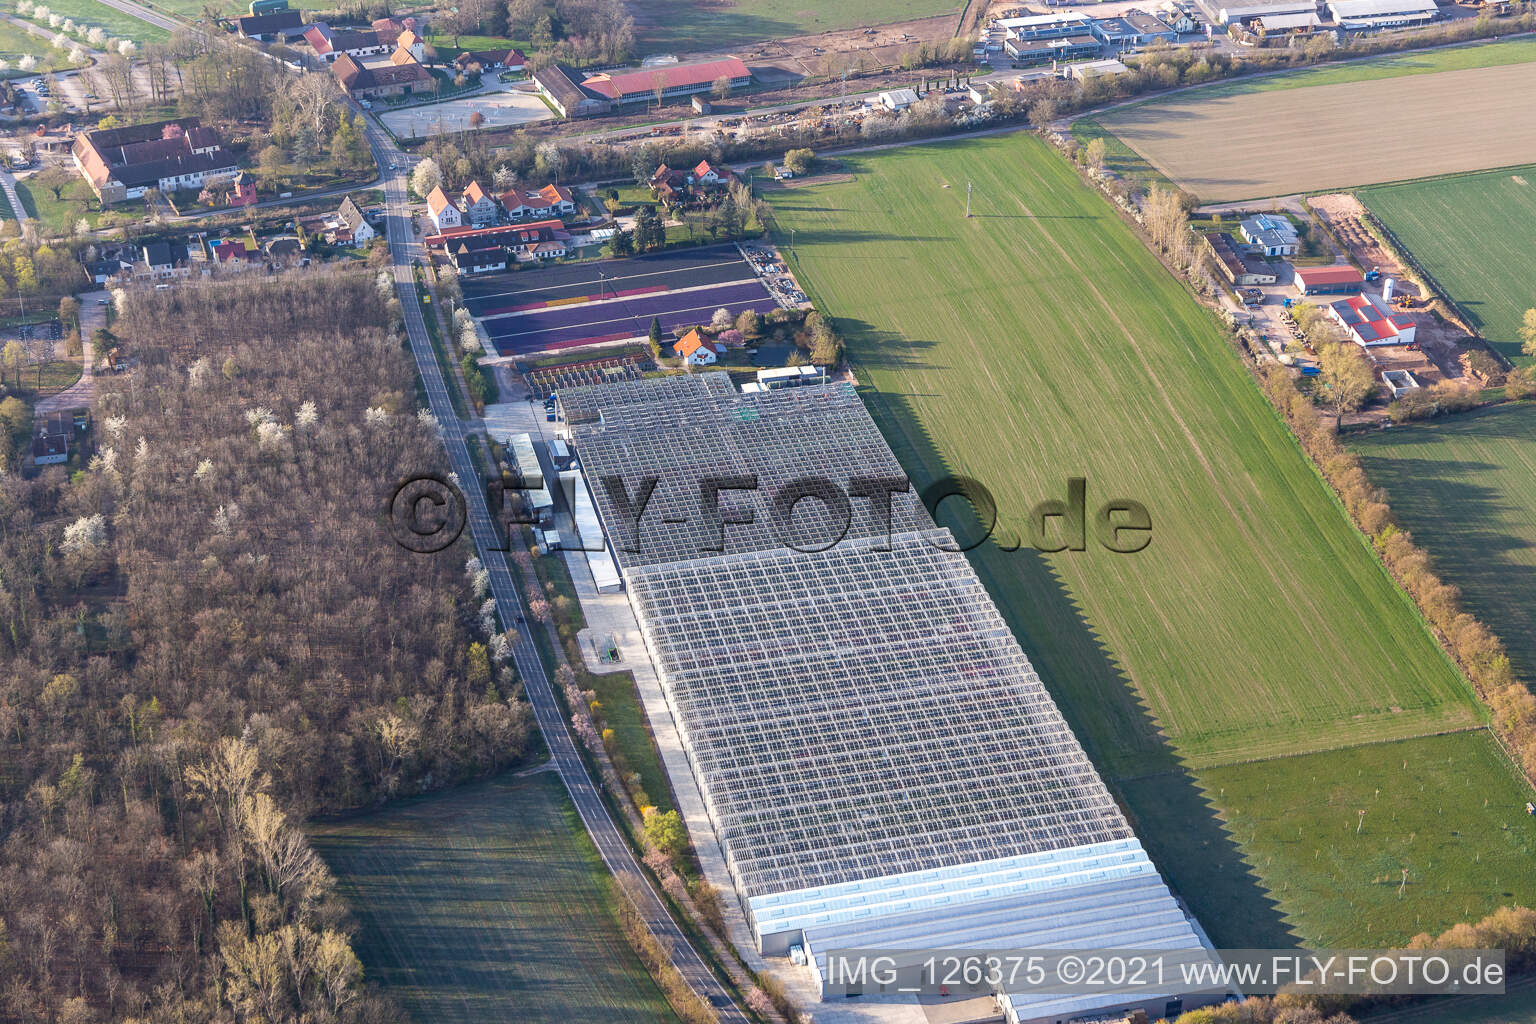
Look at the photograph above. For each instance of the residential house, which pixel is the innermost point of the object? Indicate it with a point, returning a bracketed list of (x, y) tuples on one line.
[(350, 219), (124, 163), (696, 350), (329, 43), (1270, 234), (50, 442), (285, 250), (444, 212), (517, 239), (706, 173), (549, 201), (390, 29), (411, 43), (236, 253), (163, 261), (479, 206), (492, 60), (403, 76), (467, 260)]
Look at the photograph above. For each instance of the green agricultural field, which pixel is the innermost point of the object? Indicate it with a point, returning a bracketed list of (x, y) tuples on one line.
[(15, 43), (489, 903), (1038, 341), (663, 25), (1449, 809), (93, 13), (1465, 486), (1473, 233)]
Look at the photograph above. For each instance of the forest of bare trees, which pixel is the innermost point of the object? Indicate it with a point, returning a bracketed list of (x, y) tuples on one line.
[(207, 637)]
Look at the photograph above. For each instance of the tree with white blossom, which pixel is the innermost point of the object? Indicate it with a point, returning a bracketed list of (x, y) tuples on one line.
[(127, 48), (27, 62)]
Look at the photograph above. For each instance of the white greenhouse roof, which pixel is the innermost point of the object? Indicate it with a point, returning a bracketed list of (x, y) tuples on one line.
[(859, 712), (1343, 9)]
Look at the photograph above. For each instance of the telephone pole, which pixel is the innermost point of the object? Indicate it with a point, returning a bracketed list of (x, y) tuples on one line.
[(967, 200)]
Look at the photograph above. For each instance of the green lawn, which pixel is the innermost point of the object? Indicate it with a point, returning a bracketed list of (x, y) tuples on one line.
[(664, 25), (448, 49), (1118, 157), (1473, 233), (76, 200), (16, 42), (1450, 809), (1466, 488), (1039, 340), (111, 20), (489, 903)]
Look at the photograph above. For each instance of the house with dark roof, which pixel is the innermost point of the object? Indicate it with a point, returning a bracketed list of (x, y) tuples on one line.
[(52, 436), (268, 27), (402, 77), (1239, 269), (467, 260), (542, 239), (163, 261), (349, 218), (124, 163), (329, 43), (492, 60), (560, 85)]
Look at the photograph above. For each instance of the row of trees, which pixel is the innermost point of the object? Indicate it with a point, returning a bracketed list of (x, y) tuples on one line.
[(208, 636)]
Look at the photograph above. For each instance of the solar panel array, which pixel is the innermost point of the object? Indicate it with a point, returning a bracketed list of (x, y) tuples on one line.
[(687, 431), (860, 712), (853, 712)]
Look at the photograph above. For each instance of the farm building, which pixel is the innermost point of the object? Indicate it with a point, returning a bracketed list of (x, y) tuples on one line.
[(1400, 382), (281, 24), (1237, 268), (1370, 321), (1360, 15), (1270, 234), (331, 43), (123, 163), (676, 82), (898, 99), (1027, 52), (981, 92), (403, 76), (1336, 280), (898, 778), (559, 84)]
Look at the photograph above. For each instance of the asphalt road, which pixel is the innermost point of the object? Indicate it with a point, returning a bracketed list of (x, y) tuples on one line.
[(145, 14), (405, 248)]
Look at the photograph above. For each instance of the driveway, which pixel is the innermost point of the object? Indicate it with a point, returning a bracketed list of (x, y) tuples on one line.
[(93, 315)]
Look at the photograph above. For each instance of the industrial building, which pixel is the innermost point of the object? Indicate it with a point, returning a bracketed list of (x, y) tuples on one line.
[(1242, 12), (1270, 234), (1029, 52), (879, 761), (1364, 15), (1131, 30), (1045, 26)]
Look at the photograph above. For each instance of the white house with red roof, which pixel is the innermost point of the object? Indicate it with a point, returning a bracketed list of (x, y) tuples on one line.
[(549, 201), (444, 212), (707, 173), (1371, 322), (697, 350)]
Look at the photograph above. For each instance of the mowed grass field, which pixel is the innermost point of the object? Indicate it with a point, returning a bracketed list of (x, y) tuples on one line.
[(664, 25), (489, 903), (1226, 144), (1473, 233), (114, 22), (1465, 486), (1039, 340)]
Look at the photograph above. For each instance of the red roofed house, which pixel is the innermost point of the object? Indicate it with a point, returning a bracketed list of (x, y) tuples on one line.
[(696, 350), (480, 206), (442, 210), (676, 82), (492, 60), (1336, 280), (399, 78), (410, 42), (331, 43), (1370, 322), (707, 173), (389, 29), (549, 201)]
